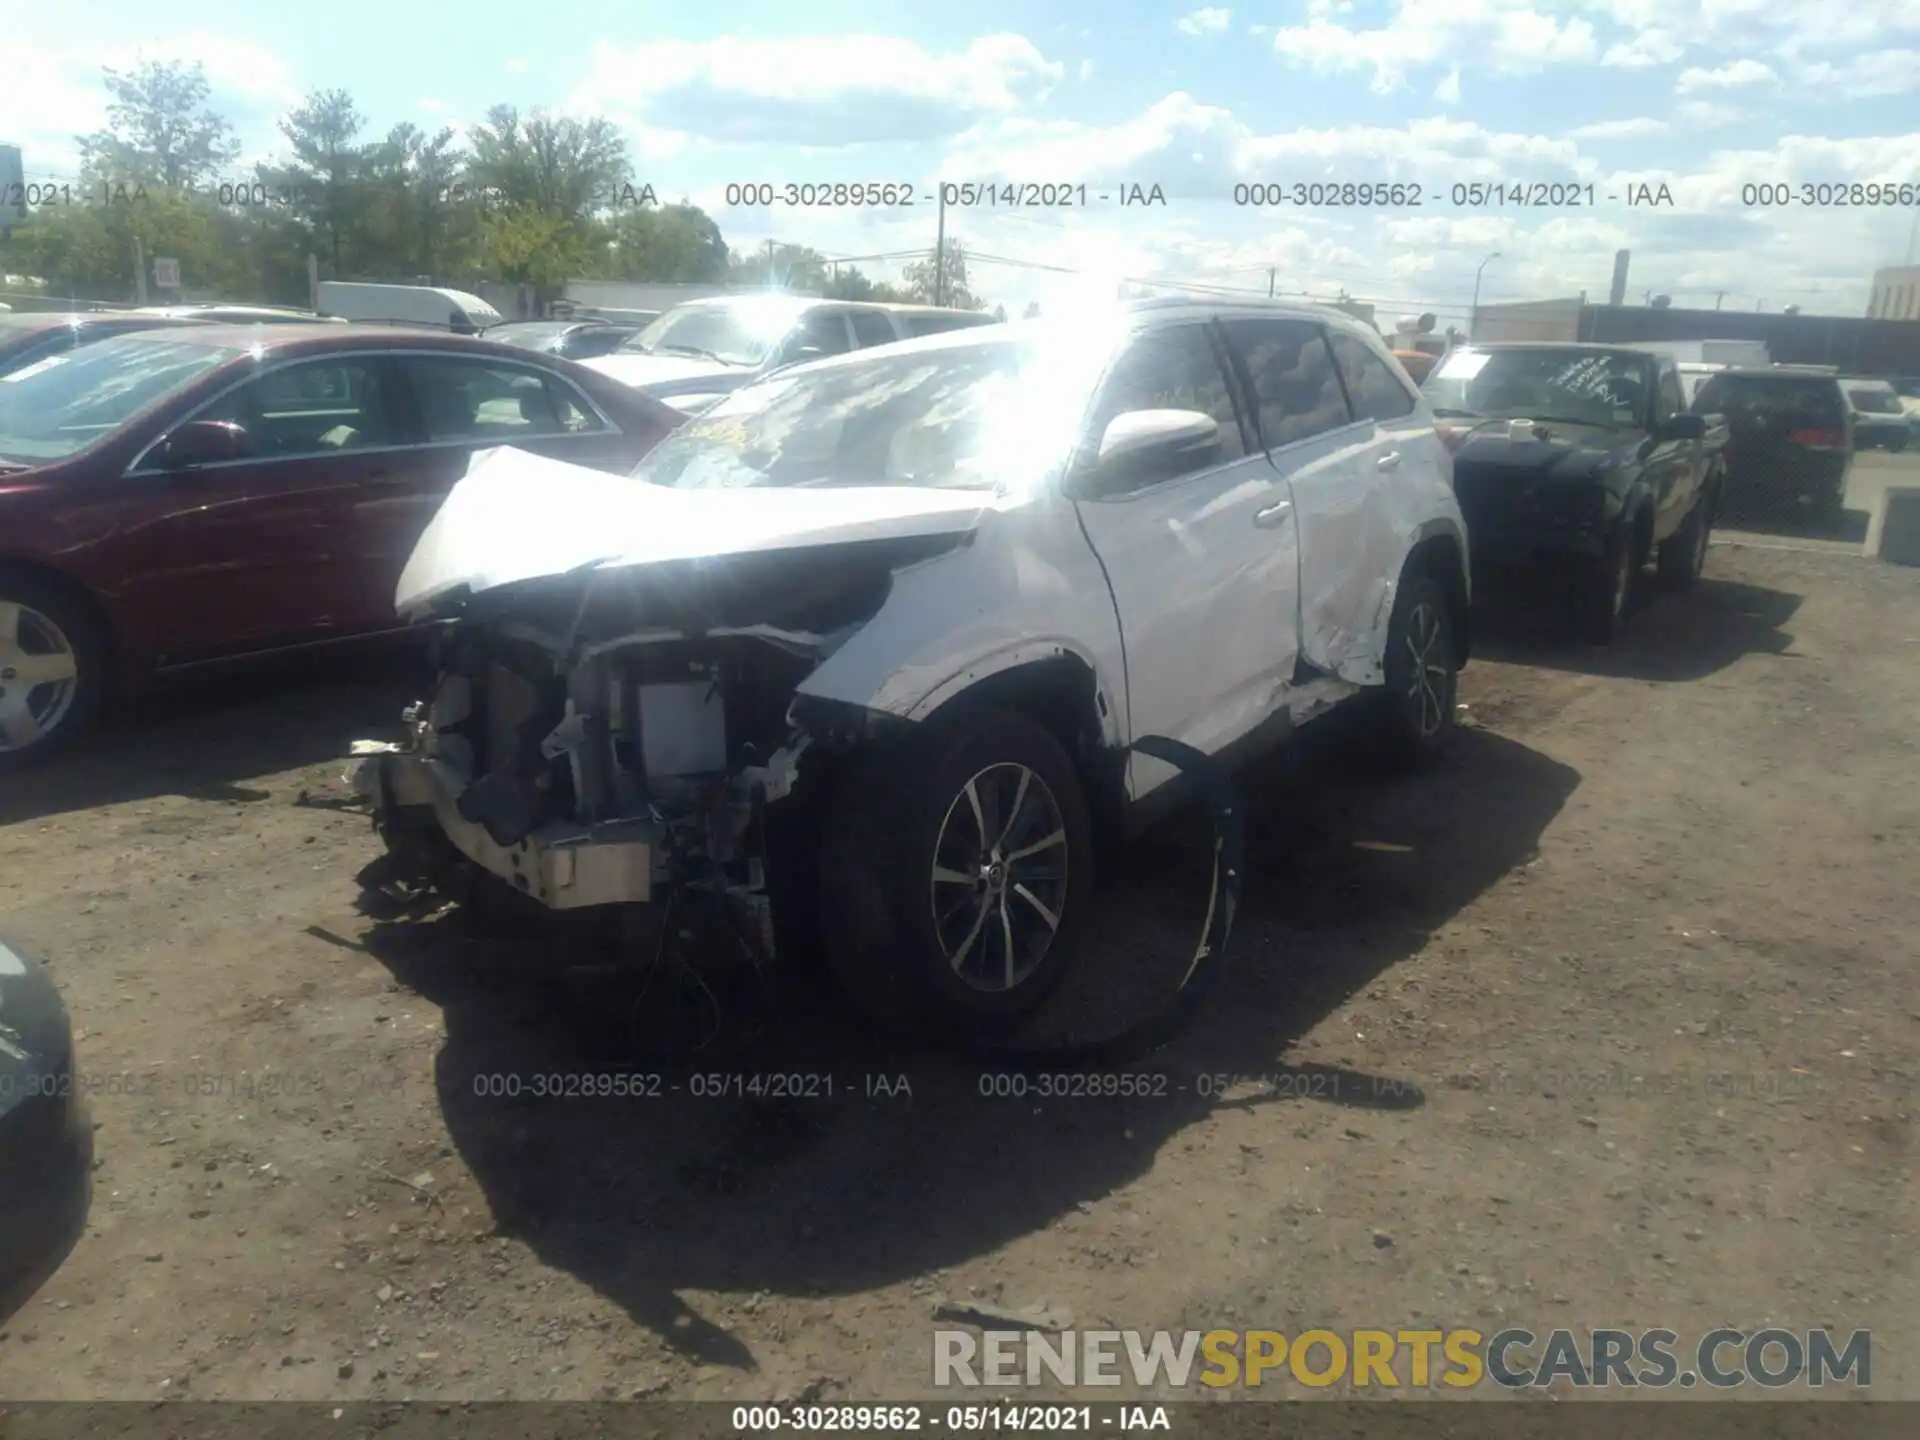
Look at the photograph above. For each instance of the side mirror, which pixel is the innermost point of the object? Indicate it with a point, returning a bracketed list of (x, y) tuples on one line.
[(1141, 443), (1684, 427), (801, 354), (201, 442)]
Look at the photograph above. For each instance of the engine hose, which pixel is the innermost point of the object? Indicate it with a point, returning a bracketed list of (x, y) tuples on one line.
[(1209, 956)]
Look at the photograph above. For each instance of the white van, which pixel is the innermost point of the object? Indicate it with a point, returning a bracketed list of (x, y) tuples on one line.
[(443, 309)]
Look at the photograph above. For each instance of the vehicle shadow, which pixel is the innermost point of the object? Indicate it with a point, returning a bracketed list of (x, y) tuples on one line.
[(1794, 522), (208, 737), (921, 1161), (1667, 637)]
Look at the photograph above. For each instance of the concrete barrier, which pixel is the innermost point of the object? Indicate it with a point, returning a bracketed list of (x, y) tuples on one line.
[(1893, 530)]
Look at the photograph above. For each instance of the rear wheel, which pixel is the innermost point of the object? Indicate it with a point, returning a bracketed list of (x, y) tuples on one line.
[(955, 874), (1422, 667), (51, 670)]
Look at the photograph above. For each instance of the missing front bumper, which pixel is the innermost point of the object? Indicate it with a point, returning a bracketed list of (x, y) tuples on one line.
[(563, 866)]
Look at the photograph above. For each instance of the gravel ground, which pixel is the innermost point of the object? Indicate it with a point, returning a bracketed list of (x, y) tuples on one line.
[(1609, 1021)]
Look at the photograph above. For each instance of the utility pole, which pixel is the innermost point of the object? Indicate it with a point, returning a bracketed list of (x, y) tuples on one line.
[(139, 272), (940, 252), (770, 263), (1272, 272), (1718, 297)]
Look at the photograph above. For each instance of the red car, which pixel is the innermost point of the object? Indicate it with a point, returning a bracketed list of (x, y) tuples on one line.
[(191, 494)]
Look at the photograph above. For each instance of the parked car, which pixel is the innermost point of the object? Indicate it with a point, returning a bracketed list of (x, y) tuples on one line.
[(46, 1138), (31, 336), (699, 351), (239, 314), (875, 639), (575, 339), (1879, 421), (1791, 436), (1576, 464), (197, 493), (430, 305)]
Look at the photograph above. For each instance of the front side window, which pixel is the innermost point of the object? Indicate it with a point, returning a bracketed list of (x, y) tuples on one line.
[(1295, 388), (315, 407), (1174, 368), (870, 327), (62, 403), (492, 403)]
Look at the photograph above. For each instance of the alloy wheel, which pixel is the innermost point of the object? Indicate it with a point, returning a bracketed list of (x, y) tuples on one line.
[(39, 676), (1427, 689), (999, 879)]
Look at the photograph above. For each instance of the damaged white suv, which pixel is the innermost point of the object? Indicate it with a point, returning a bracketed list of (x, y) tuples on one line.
[(860, 655)]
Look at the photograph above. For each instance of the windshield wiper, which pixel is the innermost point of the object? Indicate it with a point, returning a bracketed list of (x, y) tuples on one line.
[(1448, 410), (694, 350)]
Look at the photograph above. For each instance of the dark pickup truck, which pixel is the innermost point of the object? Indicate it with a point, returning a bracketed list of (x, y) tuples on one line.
[(1579, 463)]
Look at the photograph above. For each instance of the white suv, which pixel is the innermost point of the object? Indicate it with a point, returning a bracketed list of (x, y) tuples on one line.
[(865, 659)]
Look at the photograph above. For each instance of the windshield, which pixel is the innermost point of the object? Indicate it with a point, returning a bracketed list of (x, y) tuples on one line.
[(527, 337), (973, 417), (1874, 401), (62, 404), (743, 333), (1583, 386)]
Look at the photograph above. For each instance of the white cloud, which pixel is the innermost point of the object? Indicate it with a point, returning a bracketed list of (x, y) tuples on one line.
[(1210, 21), (1508, 36), (1738, 75), (823, 91), (1086, 69), (1877, 72), (1710, 114), (515, 67), (1637, 128), (432, 107), (1781, 27), (1447, 92), (1645, 50)]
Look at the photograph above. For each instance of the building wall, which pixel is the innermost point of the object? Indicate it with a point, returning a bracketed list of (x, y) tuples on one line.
[(1896, 294), (1542, 320), (636, 295), (1858, 346)]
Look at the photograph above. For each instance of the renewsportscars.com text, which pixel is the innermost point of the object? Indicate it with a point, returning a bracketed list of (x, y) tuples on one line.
[(1513, 1359)]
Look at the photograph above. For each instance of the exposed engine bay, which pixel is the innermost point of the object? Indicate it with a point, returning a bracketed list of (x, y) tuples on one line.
[(586, 760)]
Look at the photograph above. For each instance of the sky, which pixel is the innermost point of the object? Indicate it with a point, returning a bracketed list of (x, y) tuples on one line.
[(1705, 97)]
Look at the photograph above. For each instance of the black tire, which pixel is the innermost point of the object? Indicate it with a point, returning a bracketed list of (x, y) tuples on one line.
[(1684, 553), (39, 622), (1418, 710), (894, 816), (1897, 444), (1601, 607)]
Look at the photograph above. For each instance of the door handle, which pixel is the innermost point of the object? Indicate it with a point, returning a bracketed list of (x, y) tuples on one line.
[(1274, 516), (1389, 461)]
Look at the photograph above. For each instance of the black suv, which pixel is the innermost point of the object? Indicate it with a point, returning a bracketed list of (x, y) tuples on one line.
[(1791, 437)]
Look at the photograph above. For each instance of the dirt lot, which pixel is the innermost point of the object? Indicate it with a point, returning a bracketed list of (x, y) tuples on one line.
[(1683, 872)]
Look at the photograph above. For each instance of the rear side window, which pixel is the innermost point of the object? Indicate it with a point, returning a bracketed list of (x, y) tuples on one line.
[(871, 328), (1773, 397), (918, 325), (1295, 389), (1371, 387), (479, 400)]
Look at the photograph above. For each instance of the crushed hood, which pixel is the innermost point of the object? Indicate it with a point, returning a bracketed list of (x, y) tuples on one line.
[(671, 374), (518, 516)]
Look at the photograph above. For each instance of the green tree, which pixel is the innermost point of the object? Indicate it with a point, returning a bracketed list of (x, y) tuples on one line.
[(160, 130), (556, 165), (794, 268), (924, 285), (321, 182), (1032, 312), (413, 216), (848, 282), (677, 244)]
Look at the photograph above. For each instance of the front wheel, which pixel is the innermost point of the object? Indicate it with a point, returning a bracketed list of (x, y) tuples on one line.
[(51, 670), (1683, 555), (955, 876), (1422, 667), (1602, 605)]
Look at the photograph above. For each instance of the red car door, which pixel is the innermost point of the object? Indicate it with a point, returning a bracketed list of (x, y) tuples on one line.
[(455, 406), (258, 552)]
